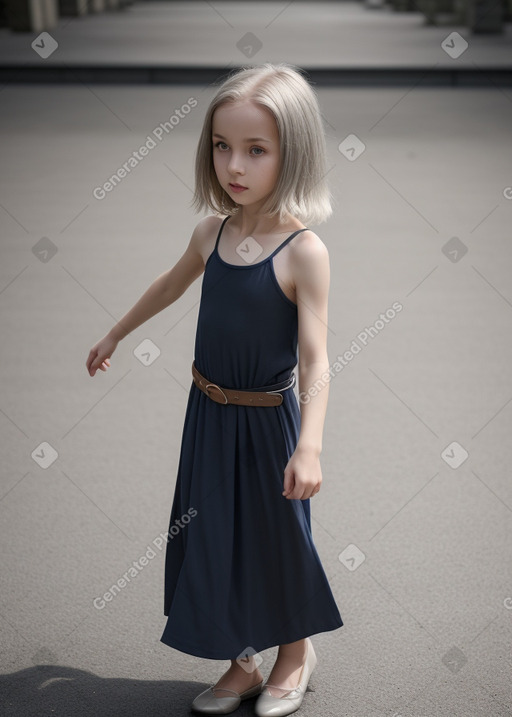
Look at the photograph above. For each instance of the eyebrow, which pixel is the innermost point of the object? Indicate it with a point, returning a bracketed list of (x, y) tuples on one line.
[(249, 139)]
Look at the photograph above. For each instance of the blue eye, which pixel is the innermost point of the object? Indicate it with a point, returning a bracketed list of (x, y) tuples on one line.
[(260, 149)]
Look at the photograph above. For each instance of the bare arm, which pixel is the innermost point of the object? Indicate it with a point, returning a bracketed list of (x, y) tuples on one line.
[(312, 288), (303, 472), (166, 288)]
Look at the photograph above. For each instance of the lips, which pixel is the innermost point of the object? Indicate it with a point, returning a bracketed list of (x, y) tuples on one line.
[(237, 186)]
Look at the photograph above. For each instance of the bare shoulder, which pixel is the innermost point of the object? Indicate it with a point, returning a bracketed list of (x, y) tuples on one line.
[(206, 226), (204, 235), (308, 244), (308, 253)]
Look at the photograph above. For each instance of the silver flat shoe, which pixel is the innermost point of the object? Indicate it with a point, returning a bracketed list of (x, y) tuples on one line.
[(207, 703), (269, 706)]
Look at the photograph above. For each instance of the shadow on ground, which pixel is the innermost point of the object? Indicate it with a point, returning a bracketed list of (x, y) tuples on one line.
[(58, 691)]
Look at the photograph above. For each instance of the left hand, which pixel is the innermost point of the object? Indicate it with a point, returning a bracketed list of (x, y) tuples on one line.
[(302, 475)]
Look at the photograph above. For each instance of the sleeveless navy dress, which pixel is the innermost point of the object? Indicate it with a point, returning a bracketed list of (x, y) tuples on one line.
[(241, 570)]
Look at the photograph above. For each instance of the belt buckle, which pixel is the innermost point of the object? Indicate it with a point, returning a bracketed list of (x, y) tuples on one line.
[(216, 386)]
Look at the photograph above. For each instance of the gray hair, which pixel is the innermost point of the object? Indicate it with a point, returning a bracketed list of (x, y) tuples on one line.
[(301, 188)]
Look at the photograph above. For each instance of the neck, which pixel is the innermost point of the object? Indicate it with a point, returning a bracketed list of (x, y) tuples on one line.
[(249, 221)]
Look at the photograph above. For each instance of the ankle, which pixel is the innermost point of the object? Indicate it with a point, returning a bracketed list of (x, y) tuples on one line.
[(293, 651), (251, 671), (249, 666)]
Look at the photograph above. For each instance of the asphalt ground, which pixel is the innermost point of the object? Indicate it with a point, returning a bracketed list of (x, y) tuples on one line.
[(413, 533)]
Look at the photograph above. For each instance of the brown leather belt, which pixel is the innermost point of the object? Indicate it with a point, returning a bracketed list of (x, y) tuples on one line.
[(251, 397)]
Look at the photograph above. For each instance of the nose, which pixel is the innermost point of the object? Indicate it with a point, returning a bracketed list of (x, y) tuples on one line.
[(235, 164)]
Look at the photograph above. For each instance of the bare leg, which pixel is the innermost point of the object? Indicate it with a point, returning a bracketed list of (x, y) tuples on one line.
[(239, 678), (287, 667)]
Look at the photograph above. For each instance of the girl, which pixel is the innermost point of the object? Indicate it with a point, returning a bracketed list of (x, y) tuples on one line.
[(242, 573)]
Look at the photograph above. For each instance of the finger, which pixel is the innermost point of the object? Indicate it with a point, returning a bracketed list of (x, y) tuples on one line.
[(95, 366), (93, 360), (98, 362), (292, 494), (287, 483), (90, 359), (304, 495)]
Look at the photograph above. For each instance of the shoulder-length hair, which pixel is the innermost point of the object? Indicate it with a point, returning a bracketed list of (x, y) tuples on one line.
[(301, 188)]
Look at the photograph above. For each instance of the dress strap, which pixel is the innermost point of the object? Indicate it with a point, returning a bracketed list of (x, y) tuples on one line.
[(275, 250), (287, 240), (220, 232)]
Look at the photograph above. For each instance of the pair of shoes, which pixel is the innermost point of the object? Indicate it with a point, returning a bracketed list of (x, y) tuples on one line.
[(269, 706), (207, 703)]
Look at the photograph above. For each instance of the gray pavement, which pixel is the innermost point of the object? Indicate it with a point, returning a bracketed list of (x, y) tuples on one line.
[(422, 217), (339, 42)]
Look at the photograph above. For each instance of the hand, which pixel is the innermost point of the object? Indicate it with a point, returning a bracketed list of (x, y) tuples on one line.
[(100, 353), (302, 475)]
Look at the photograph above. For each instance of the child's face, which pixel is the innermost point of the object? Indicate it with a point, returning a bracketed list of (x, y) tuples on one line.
[(251, 164)]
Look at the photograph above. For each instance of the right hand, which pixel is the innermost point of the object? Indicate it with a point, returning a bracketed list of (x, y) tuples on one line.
[(100, 353)]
